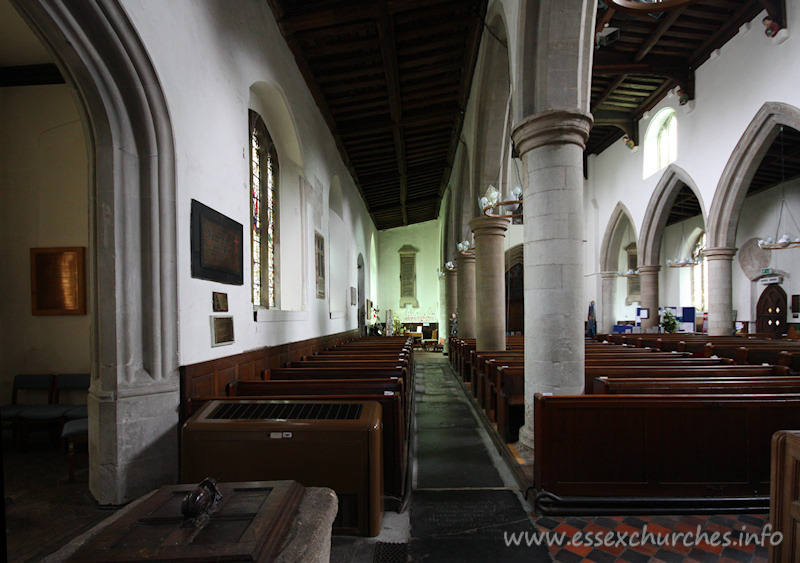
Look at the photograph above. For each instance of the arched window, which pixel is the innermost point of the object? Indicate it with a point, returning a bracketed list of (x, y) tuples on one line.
[(264, 214), (699, 274), (661, 142)]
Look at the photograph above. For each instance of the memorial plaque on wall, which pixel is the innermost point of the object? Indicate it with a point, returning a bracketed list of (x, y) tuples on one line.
[(58, 281), (408, 276), (221, 330), (319, 264), (216, 246)]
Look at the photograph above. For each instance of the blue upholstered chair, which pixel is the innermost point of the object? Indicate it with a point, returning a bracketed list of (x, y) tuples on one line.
[(74, 432), (55, 413)]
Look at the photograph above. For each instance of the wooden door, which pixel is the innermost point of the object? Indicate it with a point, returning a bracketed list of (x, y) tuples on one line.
[(771, 310), (515, 301)]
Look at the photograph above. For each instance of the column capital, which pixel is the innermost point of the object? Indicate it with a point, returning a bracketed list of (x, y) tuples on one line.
[(554, 126), (649, 270), (489, 226), (451, 273), (720, 253), (608, 275), (465, 259)]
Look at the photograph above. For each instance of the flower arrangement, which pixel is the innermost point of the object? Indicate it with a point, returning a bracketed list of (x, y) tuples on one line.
[(669, 322), (397, 326)]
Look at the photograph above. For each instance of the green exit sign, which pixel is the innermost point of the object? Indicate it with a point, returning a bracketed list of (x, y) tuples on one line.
[(766, 271)]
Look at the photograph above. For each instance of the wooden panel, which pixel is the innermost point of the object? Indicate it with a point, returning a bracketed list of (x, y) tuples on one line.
[(209, 378)]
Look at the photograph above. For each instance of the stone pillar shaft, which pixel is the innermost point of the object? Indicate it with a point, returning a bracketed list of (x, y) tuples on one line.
[(720, 294), (490, 262), (648, 277), (451, 303), (551, 146), (608, 292), (466, 295)]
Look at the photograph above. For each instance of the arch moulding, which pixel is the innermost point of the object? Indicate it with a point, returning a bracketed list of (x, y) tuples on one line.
[(655, 218), (134, 388), (609, 252), (729, 196)]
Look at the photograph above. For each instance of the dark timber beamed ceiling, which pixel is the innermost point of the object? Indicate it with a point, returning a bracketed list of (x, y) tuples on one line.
[(655, 52), (391, 78)]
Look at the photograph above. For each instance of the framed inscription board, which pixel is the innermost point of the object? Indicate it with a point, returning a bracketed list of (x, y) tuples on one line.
[(221, 330), (58, 281), (319, 264), (216, 246)]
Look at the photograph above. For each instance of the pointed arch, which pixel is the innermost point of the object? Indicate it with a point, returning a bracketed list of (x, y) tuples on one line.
[(134, 391), (655, 218), (723, 219), (492, 130), (609, 248)]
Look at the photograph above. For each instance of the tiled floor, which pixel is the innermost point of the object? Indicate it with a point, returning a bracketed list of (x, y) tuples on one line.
[(721, 538)]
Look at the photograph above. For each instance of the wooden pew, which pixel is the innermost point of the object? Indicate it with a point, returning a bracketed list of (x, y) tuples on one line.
[(510, 402), (612, 453), (300, 374), (708, 385), (629, 371)]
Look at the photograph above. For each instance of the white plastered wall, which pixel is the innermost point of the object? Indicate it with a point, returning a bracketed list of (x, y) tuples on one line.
[(236, 58), (425, 238), (43, 203)]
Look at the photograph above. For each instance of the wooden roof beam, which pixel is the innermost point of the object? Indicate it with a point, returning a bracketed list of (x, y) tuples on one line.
[(392, 71), (608, 91), (663, 25), (620, 119)]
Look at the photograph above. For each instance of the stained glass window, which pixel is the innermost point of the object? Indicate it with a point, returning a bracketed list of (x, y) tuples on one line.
[(264, 217)]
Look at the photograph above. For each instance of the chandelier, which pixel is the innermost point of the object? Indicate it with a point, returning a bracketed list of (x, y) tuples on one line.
[(465, 249), (449, 265), (785, 240), (629, 274), (685, 261), (511, 206)]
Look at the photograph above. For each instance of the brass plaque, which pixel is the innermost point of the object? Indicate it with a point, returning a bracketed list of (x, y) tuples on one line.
[(58, 281)]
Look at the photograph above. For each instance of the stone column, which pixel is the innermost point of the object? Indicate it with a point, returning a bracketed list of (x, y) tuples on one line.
[(466, 295), (490, 281), (551, 146), (608, 292), (648, 277), (720, 292), (451, 302)]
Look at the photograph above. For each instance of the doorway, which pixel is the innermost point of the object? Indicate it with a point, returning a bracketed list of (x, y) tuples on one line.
[(771, 310)]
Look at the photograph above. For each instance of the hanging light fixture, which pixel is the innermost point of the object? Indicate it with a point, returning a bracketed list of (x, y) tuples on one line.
[(494, 203), (631, 273), (786, 240), (465, 249), (449, 265), (685, 261)]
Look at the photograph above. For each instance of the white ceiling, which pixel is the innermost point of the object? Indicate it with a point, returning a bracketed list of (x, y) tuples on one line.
[(18, 44)]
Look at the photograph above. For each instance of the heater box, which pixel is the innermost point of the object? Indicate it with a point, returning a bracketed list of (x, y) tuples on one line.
[(335, 444)]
